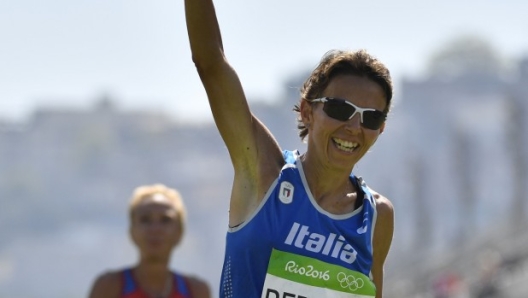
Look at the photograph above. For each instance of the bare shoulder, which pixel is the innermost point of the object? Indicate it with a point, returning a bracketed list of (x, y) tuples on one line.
[(106, 285), (384, 219), (383, 204), (199, 287), (384, 225)]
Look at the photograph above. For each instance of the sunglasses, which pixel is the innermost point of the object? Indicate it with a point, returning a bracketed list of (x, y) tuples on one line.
[(343, 110)]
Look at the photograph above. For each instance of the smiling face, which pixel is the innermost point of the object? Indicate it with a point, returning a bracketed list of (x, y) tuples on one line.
[(155, 226), (338, 143), (337, 63)]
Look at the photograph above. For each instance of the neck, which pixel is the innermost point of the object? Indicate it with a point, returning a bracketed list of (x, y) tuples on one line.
[(323, 179), (331, 188), (154, 278)]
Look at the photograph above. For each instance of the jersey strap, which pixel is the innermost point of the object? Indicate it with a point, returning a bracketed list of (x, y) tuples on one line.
[(131, 290), (129, 286), (181, 286)]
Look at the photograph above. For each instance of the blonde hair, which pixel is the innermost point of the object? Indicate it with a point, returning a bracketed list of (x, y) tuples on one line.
[(146, 191)]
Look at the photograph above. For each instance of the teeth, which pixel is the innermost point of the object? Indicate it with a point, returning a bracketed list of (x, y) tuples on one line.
[(345, 145)]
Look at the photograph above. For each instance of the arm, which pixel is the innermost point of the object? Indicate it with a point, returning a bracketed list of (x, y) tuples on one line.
[(255, 154), (106, 286), (382, 240)]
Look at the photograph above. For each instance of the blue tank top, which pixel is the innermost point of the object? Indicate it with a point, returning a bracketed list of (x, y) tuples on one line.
[(291, 247)]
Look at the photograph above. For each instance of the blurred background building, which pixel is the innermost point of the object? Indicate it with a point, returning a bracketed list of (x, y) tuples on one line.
[(453, 160)]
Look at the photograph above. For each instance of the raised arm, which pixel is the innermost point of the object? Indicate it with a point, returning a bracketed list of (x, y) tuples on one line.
[(254, 152)]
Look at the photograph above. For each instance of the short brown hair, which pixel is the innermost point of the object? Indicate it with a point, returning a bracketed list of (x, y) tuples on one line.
[(338, 62)]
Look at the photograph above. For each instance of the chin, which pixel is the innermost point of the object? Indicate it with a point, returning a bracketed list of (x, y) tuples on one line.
[(155, 256), (155, 252)]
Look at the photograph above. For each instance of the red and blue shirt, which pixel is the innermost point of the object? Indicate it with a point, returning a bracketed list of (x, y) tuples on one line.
[(131, 289)]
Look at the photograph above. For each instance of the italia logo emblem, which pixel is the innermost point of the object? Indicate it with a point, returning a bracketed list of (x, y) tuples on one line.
[(286, 192)]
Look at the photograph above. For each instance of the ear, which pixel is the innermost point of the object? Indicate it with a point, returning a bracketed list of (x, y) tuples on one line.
[(179, 234), (306, 112), (131, 234), (382, 128)]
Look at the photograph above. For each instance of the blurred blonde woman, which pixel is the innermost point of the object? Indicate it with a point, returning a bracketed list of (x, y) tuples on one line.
[(157, 223)]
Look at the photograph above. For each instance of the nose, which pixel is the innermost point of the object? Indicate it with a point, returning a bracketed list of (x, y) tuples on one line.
[(354, 123), (155, 227)]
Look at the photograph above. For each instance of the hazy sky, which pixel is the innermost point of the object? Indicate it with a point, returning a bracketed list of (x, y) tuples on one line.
[(69, 52)]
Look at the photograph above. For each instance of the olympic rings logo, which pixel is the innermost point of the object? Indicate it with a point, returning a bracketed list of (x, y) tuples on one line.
[(349, 281)]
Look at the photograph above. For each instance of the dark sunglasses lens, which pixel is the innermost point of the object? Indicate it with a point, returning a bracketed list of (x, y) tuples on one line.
[(373, 119), (339, 110)]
